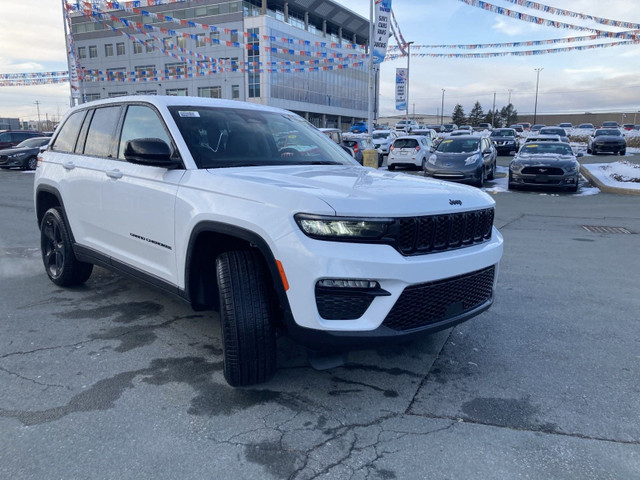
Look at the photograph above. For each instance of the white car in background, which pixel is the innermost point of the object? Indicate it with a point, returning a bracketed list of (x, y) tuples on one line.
[(382, 140), (409, 151)]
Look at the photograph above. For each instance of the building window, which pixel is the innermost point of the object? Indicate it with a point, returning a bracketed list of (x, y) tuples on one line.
[(92, 96), (145, 71), (177, 92), (116, 73), (149, 45), (179, 68), (181, 42), (234, 36), (137, 47), (117, 94), (146, 92), (167, 43), (200, 42), (93, 51), (235, 92), (253, 56), (82, 52), (210, 92), (215, 37), (108, 50), (119, 48)]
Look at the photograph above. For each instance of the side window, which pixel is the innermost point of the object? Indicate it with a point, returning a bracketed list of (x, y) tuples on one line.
[(66, 139), (5, 137), (141, 122), (101, 131)]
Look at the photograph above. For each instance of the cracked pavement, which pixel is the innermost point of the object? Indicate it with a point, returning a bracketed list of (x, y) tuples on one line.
[(115, 380)]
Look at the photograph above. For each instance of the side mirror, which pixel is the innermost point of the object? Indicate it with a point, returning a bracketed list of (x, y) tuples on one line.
[(151, 152)]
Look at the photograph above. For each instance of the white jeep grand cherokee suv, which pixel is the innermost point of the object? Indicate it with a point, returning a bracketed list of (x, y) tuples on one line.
[(252, 211)]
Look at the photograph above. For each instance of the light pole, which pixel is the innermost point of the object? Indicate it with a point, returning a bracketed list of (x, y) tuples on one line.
[(442, 109), (493, 112), (535, 108), (406, 125), (37, 102)]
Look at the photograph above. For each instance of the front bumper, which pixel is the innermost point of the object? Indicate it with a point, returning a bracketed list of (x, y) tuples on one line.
[(608, 147), (470, 174), (6, 162), (407, 284)]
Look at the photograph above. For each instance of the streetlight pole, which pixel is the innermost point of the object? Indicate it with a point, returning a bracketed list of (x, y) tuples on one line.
[(37, 102), (442, 109), (493, 112), (406, 125), (535, 108)]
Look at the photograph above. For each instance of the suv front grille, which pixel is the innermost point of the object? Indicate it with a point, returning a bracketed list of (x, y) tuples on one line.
[(427, 303), (437, 233)]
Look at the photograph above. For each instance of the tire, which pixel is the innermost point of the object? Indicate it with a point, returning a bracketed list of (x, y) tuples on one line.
[(589, 150), (60, 262), (480, 182), (492, 173), (31, 163), (510, 184), (391, 167), (247, 310), (623, 152)]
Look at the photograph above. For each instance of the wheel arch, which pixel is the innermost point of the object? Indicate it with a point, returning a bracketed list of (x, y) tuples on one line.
[(47, 197), (209, 239)]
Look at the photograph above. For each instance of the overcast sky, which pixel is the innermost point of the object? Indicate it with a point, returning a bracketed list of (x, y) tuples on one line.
[(593, 80)]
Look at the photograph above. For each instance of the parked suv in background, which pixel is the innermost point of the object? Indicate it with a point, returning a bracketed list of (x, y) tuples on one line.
[(252, 211), (11, 138)]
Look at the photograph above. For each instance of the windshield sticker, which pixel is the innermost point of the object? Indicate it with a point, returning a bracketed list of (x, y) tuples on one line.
[(531, 145), (447, 141), (189, 114)]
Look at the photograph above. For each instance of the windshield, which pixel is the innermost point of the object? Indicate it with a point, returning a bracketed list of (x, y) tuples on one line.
[(380, 135), (229, 137), (613, 132), (553, 131), (459, 145), (546, 148), (503, 133), (33, 142)]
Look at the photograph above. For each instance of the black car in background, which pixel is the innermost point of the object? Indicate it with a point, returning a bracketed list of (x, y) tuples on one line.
[(545, 165), (505, 140), (11, 138), (607, 140), (24, 155)]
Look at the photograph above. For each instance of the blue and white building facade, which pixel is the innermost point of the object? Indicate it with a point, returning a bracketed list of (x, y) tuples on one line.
[(302, 55)]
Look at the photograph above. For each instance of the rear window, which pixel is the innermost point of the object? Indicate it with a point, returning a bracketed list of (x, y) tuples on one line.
[(614, 132), (405, 143)]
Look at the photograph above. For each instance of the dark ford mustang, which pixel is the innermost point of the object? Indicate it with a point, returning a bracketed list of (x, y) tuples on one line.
[(545, 164)]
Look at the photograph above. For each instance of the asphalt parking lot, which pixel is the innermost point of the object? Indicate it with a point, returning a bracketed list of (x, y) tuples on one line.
[(114, 380)]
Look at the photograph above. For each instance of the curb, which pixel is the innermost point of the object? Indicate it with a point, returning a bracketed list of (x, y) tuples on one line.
[(606, 188)]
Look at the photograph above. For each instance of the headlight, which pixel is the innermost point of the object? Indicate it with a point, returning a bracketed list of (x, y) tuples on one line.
[(571, 168), (515, 167), (17, 155), (472, 159), (342, 228), (432, 159)]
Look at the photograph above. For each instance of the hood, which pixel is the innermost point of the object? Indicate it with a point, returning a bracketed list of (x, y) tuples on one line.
[(533, 160), (15, 150), (354, 190), (453, 158), (609, 138)]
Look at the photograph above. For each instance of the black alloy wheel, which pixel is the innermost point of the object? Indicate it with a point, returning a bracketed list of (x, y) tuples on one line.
[(60, 262)]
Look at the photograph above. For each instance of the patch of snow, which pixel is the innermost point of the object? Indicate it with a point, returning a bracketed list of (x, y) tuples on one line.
[(622, 174)]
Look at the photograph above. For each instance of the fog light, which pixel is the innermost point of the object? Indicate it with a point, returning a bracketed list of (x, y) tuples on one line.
[(342, 283)]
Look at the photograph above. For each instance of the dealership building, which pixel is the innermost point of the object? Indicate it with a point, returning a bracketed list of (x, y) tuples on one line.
[(302, 55)]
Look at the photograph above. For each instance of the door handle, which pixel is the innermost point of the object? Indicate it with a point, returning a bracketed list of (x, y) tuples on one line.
[(68, 165), (114, 174)]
